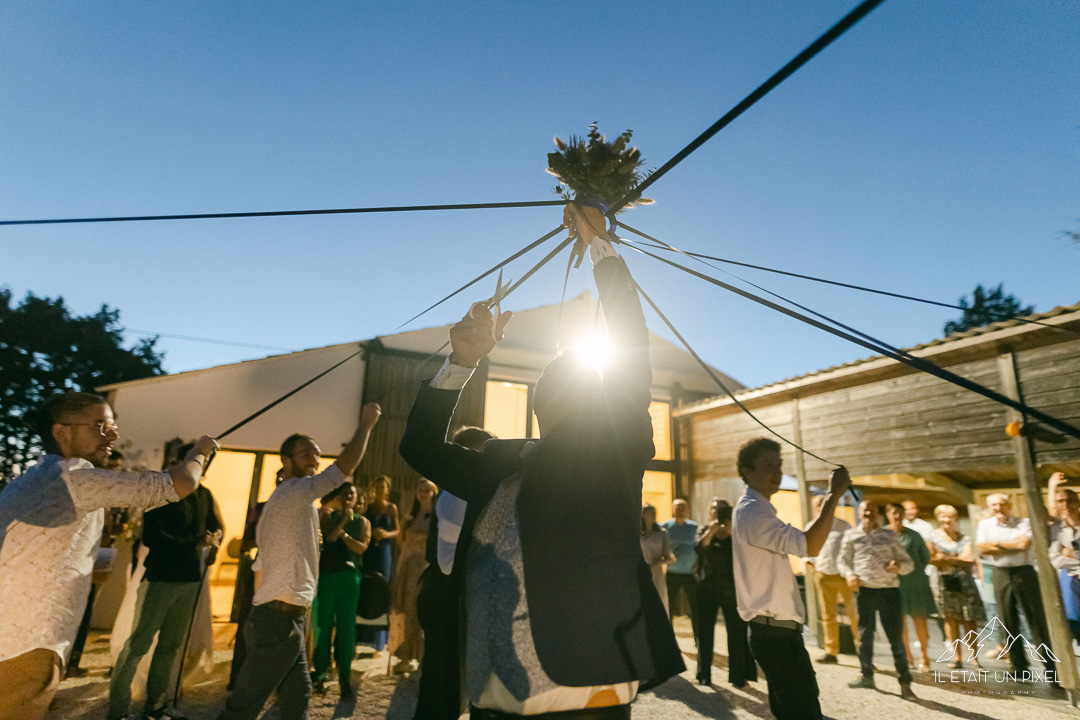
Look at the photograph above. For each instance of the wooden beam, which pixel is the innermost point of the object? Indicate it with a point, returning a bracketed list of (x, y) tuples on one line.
[(812, 610), (961, 492), (1060, 637)]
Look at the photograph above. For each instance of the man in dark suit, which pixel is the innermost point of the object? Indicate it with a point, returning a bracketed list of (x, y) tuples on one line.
[(561, 613)]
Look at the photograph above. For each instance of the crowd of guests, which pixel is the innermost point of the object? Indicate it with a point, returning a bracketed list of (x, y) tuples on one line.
[(533, 584), (890, 567)]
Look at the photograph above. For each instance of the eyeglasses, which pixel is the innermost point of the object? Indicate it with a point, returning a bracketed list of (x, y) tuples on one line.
[(103, 426)]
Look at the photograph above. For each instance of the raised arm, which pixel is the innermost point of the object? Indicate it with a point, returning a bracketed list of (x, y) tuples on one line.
[(354, 450), (819, 530), (187, 473)]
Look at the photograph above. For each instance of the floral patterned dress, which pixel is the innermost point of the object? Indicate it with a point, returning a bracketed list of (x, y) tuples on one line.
[(958, 596)]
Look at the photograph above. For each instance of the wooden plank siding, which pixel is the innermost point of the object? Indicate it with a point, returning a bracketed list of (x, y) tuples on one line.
[(392, 380), (910, 423)]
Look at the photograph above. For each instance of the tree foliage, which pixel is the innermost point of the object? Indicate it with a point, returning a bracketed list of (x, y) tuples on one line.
[(45, 349), (987, 307)]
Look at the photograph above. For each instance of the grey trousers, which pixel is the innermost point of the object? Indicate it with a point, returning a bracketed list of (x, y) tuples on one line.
[(276, 660), (163, 609)]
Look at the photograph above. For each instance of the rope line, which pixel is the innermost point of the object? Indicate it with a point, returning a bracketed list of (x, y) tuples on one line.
[(861, 11), (477, 279), (150, 333), (699, 256), (882, 348), (717, 379), (289, 213)]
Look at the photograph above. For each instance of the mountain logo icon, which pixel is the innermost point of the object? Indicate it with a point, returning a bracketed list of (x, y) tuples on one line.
[(976, 640)]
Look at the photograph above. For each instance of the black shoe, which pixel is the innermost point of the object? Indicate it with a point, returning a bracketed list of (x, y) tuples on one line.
[(739, 686), (906, 692), (704, 680), (863, 682), (828, 659), (347, 692)]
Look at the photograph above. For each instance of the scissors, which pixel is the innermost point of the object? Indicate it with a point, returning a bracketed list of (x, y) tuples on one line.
[(493, 303)]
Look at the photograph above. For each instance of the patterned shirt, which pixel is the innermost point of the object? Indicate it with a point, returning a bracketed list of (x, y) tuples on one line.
[(51, 519), (288, 539), (866, 554), (503, 671)]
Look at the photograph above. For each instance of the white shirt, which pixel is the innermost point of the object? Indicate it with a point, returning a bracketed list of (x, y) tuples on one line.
[(450, 509), (761, 542), (825, 562), (51, 519), (924, 528), (288, 539), (991, 531)]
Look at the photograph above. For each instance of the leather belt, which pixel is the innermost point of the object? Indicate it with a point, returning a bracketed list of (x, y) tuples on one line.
[(773, 622), (294, 611), (612, 712)]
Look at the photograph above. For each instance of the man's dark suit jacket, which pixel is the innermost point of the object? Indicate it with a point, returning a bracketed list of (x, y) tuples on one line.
[(596, 616)]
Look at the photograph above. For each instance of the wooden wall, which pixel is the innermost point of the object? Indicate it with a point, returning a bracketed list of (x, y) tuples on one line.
[(914, 423), (392, 379)]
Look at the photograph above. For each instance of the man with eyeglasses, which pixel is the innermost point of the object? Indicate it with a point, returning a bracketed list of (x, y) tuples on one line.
[(51, 519), (287, 576)]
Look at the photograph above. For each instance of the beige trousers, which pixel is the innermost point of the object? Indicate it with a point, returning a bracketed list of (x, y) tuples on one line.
[(29, 684)]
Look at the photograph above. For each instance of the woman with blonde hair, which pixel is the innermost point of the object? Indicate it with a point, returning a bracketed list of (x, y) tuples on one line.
[(958, 597)]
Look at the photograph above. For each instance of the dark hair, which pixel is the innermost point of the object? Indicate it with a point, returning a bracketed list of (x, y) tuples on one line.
[(751, 450), (890, 506), (337, 492), (644, 507), (380, 478), (116, 455), (62, 408), (289, 446), (472, 437), (723, 509)]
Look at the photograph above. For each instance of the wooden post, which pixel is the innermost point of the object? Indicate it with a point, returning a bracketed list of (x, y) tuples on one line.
[(1060, 638), (813, 613)]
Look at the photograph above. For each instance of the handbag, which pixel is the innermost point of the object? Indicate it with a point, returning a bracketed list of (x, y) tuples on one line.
[(374, 596), (951, 583)]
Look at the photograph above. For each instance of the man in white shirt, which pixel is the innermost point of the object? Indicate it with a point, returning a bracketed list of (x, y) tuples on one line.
[(831, 586), (51, 518), (916, 523), (765, 585), (287, 574), (1004, 541)]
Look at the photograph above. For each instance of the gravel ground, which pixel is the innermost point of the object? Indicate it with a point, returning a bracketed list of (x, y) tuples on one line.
[(393, 698)]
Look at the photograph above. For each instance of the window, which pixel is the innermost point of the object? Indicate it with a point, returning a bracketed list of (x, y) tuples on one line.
[(506, 409)]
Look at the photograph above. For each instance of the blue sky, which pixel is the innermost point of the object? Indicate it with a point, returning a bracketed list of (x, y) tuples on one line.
[(933, 147)]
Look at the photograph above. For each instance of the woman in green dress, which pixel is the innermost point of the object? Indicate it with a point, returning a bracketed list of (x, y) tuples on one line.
[(915, 593)]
